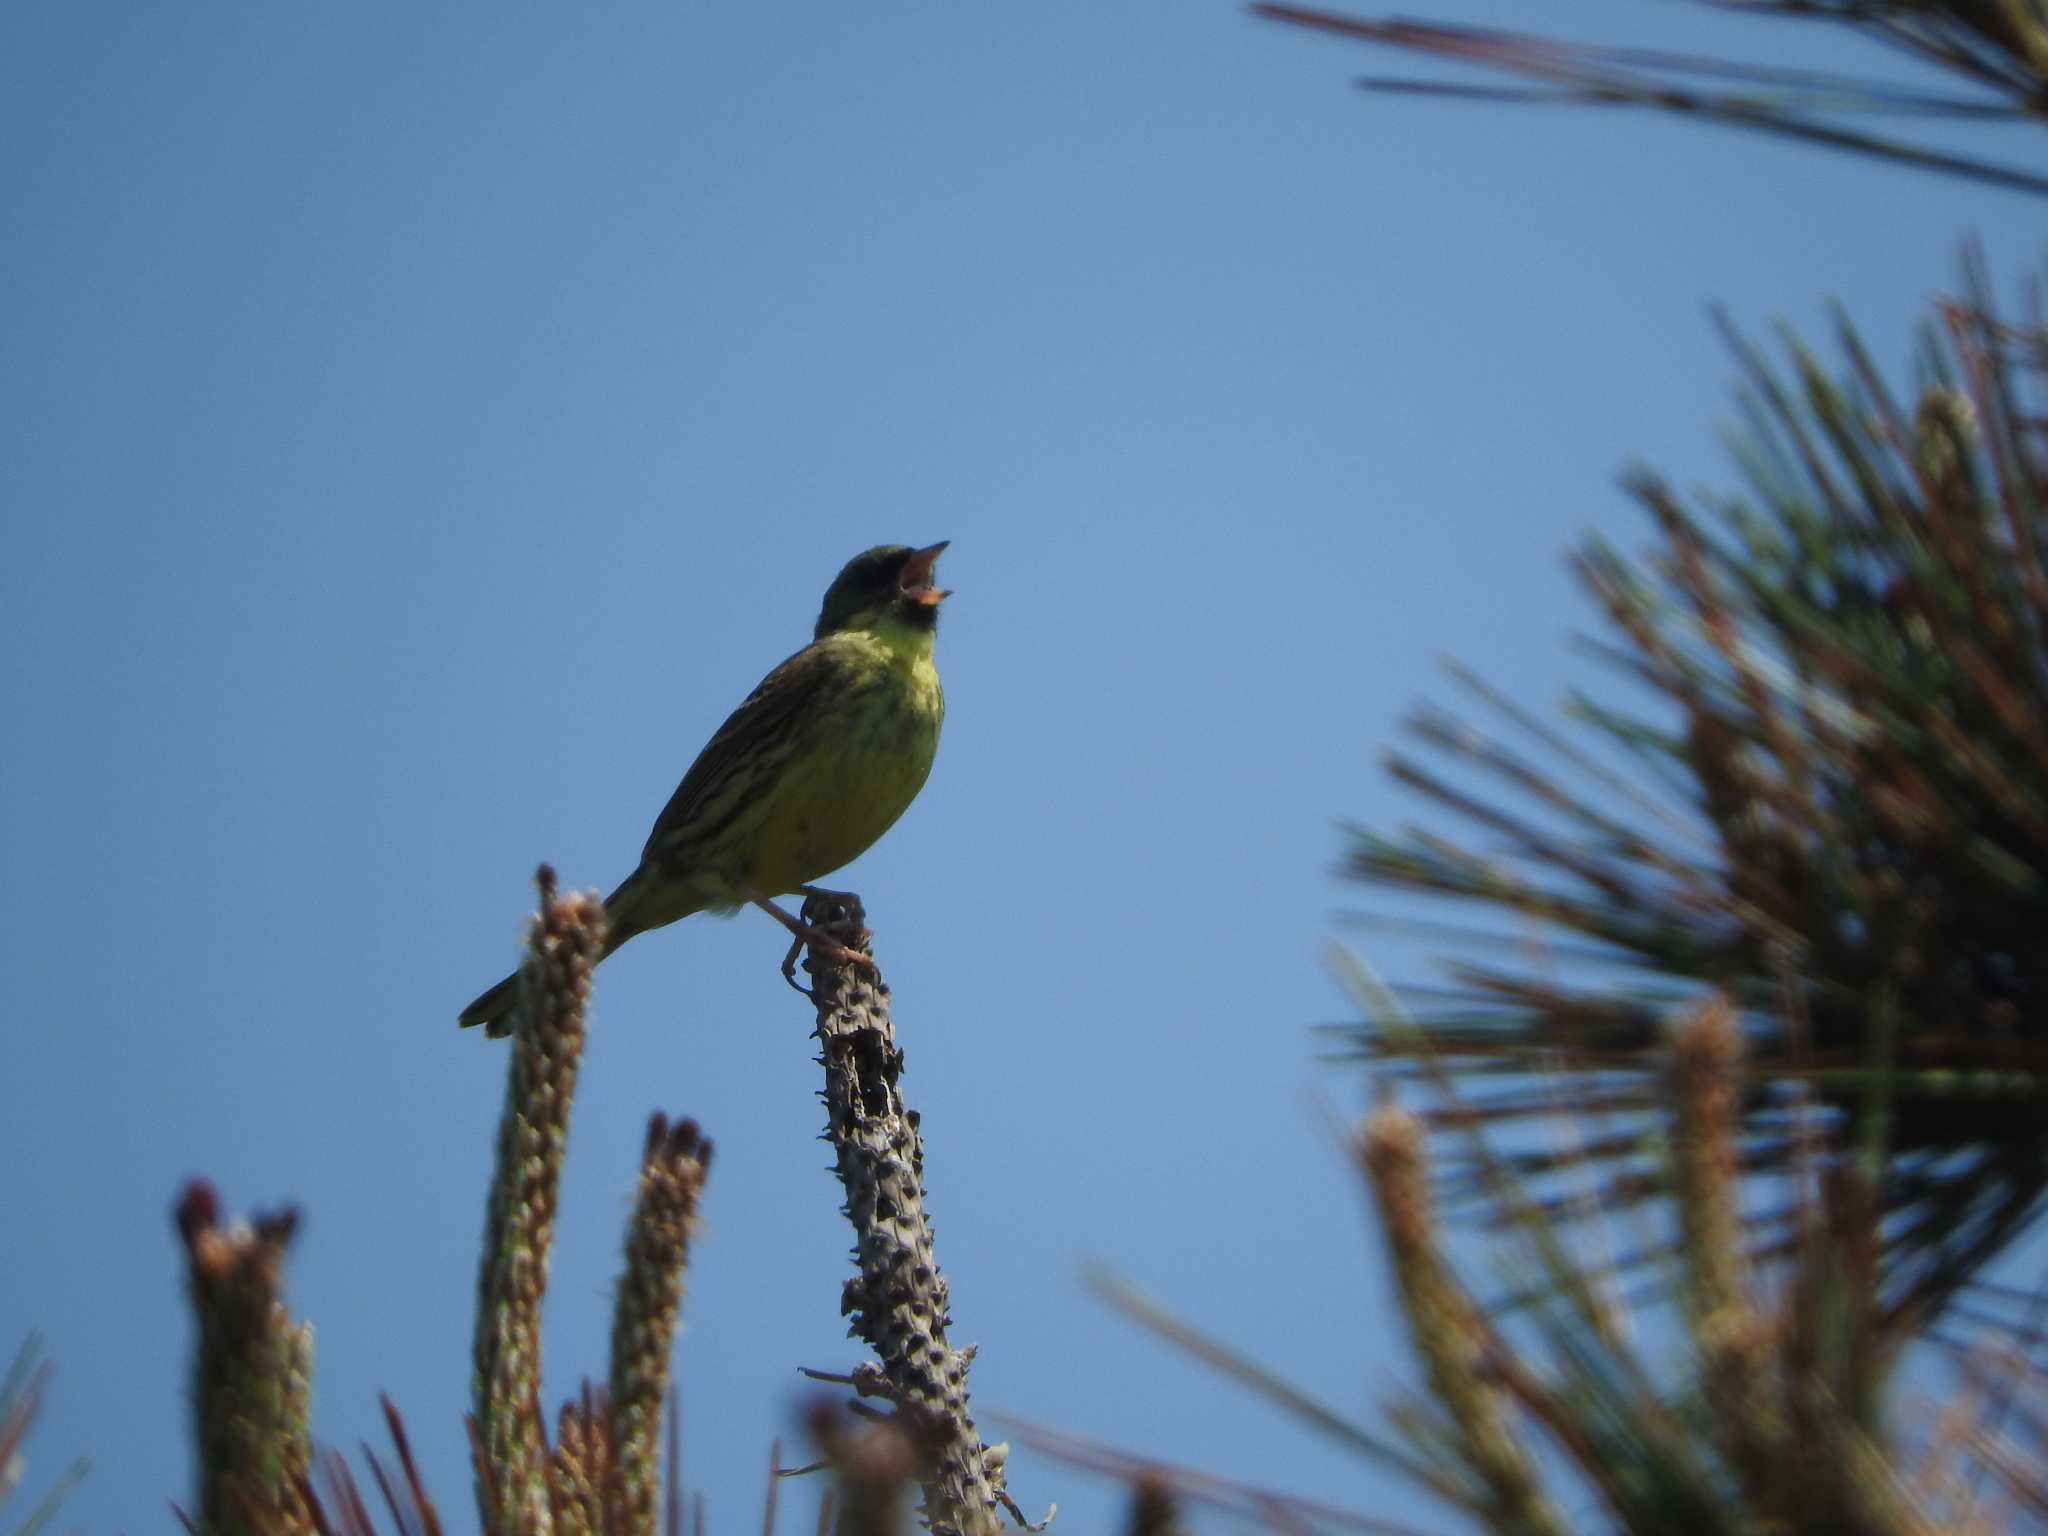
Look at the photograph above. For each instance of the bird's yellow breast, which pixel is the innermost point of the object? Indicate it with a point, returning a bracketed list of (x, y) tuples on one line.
[(870, 749)]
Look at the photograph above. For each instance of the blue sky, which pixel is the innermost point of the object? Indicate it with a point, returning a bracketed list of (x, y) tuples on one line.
[(418, 429)]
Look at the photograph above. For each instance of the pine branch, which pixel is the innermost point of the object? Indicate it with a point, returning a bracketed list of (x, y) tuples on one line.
[(548, 1035), (898, 1300), (583, 1484), (250, 1373), (252, 1376), (1155, 1511), (1780, 1424), (1450, 1335), (644, 1320), (1847, 674), (873, 1462), (1999, 51), (21, 1399)]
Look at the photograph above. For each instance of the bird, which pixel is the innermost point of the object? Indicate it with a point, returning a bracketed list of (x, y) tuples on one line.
[(817, 763)]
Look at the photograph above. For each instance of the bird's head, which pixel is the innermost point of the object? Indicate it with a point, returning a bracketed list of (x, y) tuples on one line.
[(888, 582)]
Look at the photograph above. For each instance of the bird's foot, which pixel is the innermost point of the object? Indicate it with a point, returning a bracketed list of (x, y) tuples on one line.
[(822, 906), (822, 910), (822, 943)]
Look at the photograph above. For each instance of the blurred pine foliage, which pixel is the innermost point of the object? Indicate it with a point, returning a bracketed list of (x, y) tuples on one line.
[(22, 1386), (1770, 1408), (1985, 61), (1837, 813), (1741, 957)]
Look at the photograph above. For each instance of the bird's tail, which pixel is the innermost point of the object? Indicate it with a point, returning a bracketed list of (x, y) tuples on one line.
[(493, 1009)]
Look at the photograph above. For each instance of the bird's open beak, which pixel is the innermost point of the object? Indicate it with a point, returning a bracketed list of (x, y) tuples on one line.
[(917, 575)]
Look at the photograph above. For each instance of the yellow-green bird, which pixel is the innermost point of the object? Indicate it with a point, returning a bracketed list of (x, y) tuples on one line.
[(804, 776)]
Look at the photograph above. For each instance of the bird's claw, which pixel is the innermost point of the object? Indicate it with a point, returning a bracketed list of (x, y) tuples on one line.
[(822, 908), (831, 949), (796, 947)]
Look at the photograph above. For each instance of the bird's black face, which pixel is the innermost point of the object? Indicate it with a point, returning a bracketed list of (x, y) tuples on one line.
[(891, 580)]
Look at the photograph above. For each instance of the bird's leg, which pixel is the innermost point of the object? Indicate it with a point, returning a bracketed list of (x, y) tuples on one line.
[(804, 933)]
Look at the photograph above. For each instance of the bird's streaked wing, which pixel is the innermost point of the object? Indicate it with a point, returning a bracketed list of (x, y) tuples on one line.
[(757, 734)]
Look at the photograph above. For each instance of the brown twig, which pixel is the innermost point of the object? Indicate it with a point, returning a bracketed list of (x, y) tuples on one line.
[(898, 1300), (250, 1374), (650, 1297), (548, 1032)]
